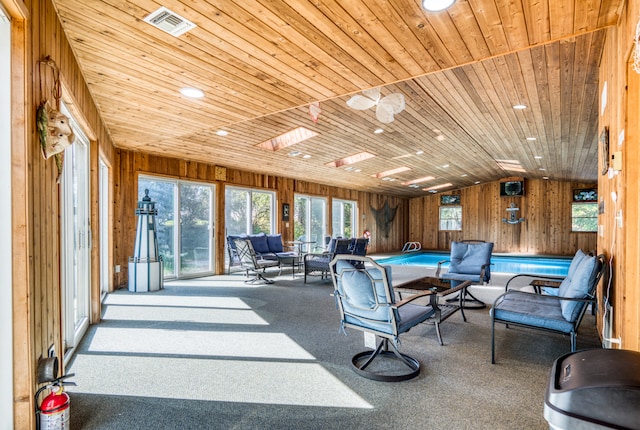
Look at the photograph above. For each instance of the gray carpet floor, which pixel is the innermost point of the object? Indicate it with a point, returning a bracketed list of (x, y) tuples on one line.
[(215, 353)]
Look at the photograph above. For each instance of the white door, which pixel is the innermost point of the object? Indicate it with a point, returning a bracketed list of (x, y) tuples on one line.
[(75, 239)]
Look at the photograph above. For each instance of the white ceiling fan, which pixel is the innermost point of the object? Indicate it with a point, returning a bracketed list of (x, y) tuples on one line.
[(386, 107)]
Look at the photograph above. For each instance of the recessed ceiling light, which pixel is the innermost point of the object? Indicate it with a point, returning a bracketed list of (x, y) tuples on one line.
[(358, 170), (464, 175), (306, 156), (445, 166), (437, 5), (414, 186), (531, 138), (192, 93), (222, 132), (519, 106), (545, 177), (538, 157), (348, 168), (294, 153), (378, 131), (476, 182), (419, 152), (440, 138)]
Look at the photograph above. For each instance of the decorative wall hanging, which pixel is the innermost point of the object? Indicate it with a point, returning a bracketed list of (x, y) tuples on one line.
[(513, 217), (585, 195), (384, 217), (449, 199), (54, 129)]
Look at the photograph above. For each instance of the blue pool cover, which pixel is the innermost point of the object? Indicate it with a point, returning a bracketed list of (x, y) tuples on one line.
[(550, 266)]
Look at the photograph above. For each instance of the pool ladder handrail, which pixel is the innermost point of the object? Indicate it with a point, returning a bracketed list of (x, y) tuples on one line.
[(411, 247)]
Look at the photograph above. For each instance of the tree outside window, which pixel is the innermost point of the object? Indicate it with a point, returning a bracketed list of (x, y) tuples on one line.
[(584, 217), (450, 217)]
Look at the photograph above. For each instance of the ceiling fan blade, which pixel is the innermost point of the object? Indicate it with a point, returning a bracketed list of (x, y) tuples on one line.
[(384, 113), (394, 101), (359, 102), (373, 94)]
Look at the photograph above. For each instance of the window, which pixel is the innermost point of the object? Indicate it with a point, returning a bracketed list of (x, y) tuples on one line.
[(249, 211), (450, 217), (310, 221), (584, 217), (343, 214)]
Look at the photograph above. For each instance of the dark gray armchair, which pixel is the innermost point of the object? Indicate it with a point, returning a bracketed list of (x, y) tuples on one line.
[(251, 263)]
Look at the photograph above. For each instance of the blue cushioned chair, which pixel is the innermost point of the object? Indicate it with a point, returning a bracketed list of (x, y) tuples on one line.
[(366, 301), (561, 312), (318, 263), (470, 261)]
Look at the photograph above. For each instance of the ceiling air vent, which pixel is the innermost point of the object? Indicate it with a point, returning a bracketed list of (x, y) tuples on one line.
[(169, 21)]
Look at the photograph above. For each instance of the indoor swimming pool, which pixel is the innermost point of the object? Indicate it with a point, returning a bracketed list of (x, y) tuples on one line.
[(501, 263)]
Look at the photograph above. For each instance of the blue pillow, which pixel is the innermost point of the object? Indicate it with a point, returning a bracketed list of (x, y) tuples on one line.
[(575, 263), (578, 287), (259, 242), (274, 242)]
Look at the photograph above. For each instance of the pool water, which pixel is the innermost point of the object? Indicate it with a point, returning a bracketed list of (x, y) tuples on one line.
[(550, 266)]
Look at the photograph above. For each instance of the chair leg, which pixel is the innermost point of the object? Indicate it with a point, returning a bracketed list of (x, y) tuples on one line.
[(493, 341), (437, 324)]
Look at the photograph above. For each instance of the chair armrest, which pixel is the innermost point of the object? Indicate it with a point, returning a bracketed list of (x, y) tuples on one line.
[(455, 289), (412, 298), (440, 263), (542, 278), (589, 299)]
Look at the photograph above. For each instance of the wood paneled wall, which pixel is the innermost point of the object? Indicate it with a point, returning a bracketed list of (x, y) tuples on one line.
[(38, 322), (130, 164), (621, 238), (546, 207)]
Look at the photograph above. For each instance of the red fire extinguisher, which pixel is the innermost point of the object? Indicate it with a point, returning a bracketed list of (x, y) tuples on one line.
[(54, 412)]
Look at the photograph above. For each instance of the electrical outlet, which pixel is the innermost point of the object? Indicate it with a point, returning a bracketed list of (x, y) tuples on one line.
[(117, 268)]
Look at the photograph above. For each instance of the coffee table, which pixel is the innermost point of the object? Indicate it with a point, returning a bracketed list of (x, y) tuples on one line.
[(295, 260), (438, 288)]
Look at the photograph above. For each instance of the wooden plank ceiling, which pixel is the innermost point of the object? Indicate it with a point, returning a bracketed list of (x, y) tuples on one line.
[(261, 63)]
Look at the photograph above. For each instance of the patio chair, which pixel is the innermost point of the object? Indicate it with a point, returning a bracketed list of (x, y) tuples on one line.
[(470, 261), (559, 313), (366, 301), (251, 263), (318, 263)]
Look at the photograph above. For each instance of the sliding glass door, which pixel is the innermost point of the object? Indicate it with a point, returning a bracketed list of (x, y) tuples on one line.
[(343, 214), (75, 238), (310, 221), (185, 224)]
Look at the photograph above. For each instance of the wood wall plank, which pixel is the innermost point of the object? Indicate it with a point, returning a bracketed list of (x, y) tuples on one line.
[(546, 208)]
